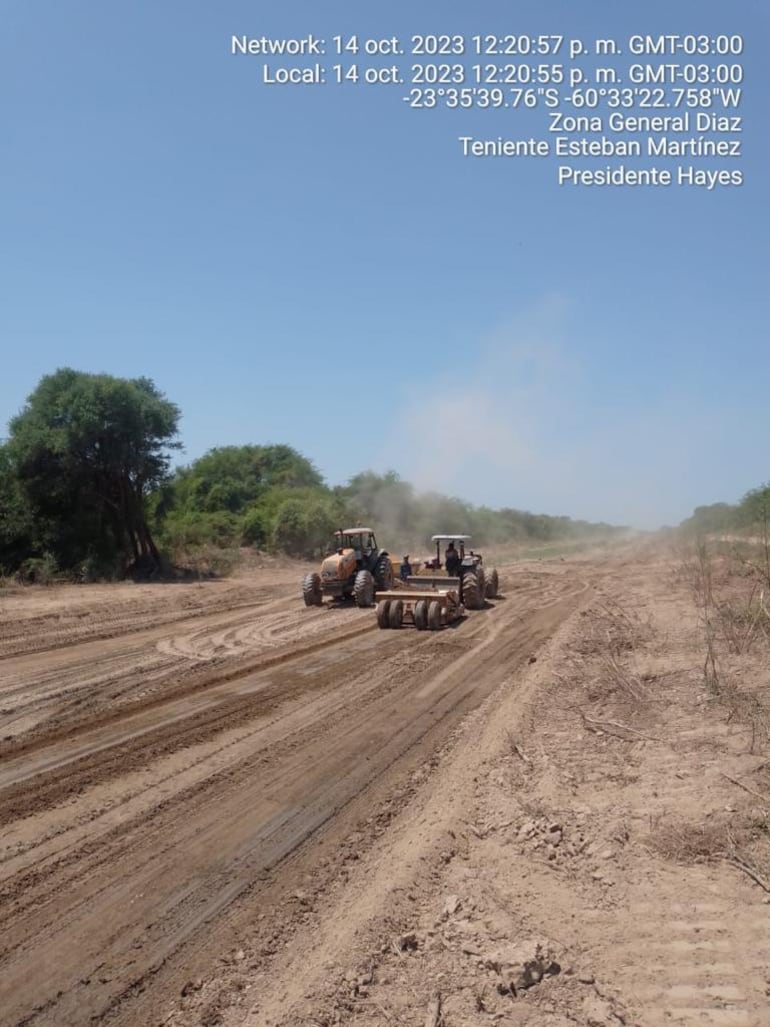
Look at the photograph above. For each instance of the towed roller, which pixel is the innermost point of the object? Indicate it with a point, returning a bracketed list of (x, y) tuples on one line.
[(428, 609)]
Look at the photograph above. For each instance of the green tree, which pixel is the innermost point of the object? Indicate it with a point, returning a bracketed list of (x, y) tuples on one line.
[(255, 527), (87, 451), (18, 530), (234, 477), (754, 508), (303, 526)]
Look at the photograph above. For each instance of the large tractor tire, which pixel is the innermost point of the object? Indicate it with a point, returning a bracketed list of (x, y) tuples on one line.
[(311, 590), (363, 589), (493, 585), (434, 616), (473, 597), (421, 614), (481, 577), (383, 573), (396, 613), (383, 613)]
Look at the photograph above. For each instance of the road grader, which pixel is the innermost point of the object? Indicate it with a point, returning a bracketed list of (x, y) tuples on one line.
[(355, 568), (431, 599)]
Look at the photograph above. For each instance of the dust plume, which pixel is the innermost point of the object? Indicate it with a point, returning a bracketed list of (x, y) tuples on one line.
[(530, 419)]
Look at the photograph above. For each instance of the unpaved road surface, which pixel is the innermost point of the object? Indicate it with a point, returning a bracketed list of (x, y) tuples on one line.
[(172, 763), (220, 808)]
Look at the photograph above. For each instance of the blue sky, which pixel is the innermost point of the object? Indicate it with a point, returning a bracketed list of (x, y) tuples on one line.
[(320, 266)]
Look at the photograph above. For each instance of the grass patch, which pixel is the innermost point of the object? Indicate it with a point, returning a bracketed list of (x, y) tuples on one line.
[(684, 842)]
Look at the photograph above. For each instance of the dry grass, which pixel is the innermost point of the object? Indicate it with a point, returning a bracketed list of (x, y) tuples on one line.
[(733, 594), (207, 561), (684, 842), (731, 598), (613, 633), (740, 838), (622, 629), (744, 622)]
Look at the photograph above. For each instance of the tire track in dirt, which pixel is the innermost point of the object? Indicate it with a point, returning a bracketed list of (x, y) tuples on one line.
[(97, 918), (692, 966), (691, 969), (52, 769), (336, 623), (36, 636), (128, 674)]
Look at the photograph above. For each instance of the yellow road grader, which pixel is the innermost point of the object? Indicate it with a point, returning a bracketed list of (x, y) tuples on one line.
[(355, 568)]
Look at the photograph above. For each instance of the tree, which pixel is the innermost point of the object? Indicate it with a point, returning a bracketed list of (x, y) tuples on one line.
[(302, 526), (87, 451), (712, 518), (17, 526), (754, 508), (235, 477)]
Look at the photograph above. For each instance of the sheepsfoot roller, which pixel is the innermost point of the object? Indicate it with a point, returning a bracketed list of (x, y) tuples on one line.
[(428, 609)]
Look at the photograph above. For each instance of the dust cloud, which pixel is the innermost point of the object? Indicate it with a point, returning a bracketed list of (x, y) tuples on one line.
[(528, 420)]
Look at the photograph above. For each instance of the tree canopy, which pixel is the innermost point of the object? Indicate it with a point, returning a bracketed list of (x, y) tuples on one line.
[(85, 453), (751, 512), (232, 477)]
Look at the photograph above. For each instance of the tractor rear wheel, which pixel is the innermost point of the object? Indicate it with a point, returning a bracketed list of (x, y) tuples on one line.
[(396, 613), (434, 616), (472, 597), (383, 613), (421, 614), (383, 573), (311, 590), (363, 589), (493, 585)]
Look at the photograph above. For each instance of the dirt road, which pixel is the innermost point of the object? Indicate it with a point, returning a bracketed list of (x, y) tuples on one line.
[(222, 809), (167, 790)]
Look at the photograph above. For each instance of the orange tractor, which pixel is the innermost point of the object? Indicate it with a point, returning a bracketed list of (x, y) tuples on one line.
[(355, 568)]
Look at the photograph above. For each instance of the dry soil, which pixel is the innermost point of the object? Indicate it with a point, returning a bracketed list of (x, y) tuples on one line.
[(219, 807)]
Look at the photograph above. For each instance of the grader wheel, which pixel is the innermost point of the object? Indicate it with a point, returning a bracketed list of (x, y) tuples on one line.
[(396, 613), (311, 590), (434, 616), (383, 613), (421, 614)]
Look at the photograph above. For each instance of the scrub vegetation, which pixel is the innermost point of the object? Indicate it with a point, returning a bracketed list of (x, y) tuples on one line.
[(88, 490)]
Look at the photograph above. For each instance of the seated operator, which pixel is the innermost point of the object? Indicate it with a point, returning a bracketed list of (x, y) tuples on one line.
[(452, 560), (406, 568)]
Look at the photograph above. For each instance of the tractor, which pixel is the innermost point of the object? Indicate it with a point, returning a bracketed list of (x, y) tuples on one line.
[(432, 599), (354, 568), (462, 569)]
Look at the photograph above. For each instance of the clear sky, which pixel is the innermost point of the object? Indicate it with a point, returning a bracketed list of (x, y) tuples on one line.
[(320, 266)]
